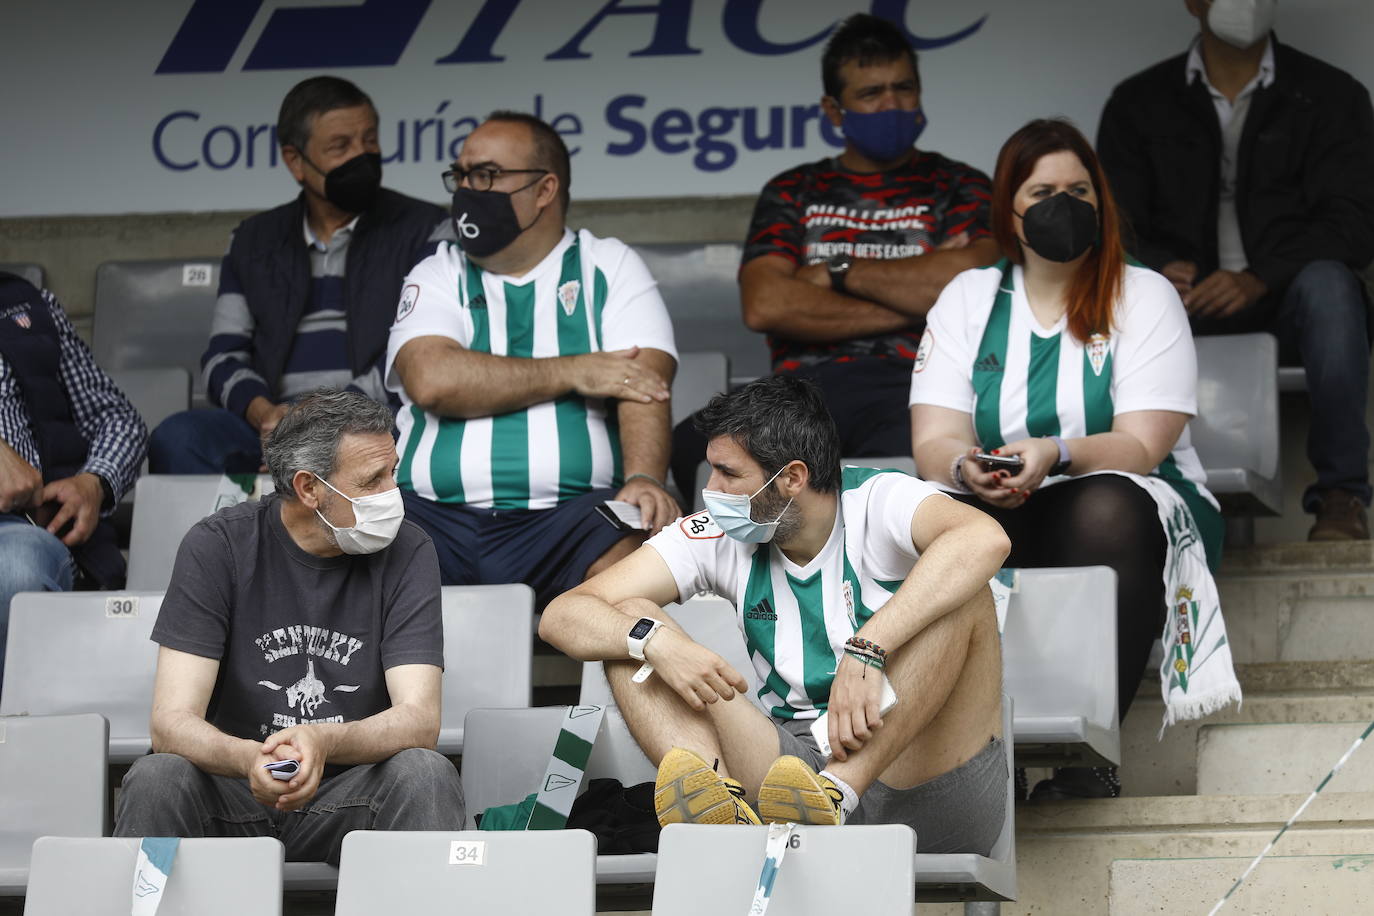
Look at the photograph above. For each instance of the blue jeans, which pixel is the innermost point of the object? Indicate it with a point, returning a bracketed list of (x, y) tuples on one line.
[(31, 560), (210, 441), (1322, 324)]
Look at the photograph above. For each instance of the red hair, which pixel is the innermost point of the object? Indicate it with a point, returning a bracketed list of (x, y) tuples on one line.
[(1097, 283)]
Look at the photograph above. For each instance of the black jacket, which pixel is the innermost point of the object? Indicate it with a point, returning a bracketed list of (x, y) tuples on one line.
[(270, 258), (1304, 179)]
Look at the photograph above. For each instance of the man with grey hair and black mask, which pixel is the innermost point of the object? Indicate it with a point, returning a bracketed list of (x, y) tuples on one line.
[(301, 654), (852, 586)]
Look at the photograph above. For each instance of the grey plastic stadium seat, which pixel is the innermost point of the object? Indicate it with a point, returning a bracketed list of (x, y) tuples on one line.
[(1236, 431), (210, 877), (31, 272), (165, 508), (83, 652), (52, 781), (831, 870), (504, 756), (710, 620), (488, 642), (1066, 713), (699, 284), (155, 393), (155, 314), (548, 872), (700, 377)]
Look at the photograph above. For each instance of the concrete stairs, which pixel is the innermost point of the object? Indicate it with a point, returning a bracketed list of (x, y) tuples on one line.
[(1201, 803)]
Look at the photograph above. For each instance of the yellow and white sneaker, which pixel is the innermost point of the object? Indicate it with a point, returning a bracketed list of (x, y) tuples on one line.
[(689, 791), (794, 793)]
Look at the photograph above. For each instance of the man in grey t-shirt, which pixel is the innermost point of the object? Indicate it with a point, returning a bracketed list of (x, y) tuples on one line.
[(303, 628)]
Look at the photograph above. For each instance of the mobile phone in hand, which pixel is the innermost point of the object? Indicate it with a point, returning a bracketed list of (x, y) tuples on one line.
[(991, 462)]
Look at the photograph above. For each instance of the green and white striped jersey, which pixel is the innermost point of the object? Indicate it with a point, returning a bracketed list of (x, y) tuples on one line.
[(985, 354), (587, 295), (795, 619)]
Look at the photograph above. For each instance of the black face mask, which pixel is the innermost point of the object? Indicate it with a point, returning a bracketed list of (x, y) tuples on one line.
[(1060, 228), (353, 186), (485, 221)]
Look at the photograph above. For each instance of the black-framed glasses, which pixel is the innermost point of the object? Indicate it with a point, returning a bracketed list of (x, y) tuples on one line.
[(480, 177)]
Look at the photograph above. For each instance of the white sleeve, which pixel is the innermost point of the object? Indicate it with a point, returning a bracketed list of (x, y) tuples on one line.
[(688, 546), (891, 506), (429, 307), (943, 372), (635, 315), (1154, 364)]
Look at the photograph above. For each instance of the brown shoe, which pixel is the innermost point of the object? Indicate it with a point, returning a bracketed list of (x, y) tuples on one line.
[(1340, 517)]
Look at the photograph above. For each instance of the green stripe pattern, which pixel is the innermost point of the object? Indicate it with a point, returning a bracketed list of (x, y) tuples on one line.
[(990, 364)]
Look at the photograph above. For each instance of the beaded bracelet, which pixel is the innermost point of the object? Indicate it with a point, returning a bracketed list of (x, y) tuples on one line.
[(869, 645)]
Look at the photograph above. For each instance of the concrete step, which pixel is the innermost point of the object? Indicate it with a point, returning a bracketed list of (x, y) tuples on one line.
[(1311, 885), (1065, 850), (1276, 693), (1279, 758)]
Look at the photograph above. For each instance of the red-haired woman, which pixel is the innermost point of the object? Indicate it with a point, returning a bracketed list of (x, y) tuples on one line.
[(1074, 361)]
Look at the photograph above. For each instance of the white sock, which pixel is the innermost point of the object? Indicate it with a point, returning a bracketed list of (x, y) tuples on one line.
[(849, 799)]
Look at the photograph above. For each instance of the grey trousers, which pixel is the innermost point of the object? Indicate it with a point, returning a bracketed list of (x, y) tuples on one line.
[(167, 795)]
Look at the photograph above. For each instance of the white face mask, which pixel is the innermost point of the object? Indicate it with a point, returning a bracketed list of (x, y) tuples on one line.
[(376, 519), (1241, 23), (732, 513)]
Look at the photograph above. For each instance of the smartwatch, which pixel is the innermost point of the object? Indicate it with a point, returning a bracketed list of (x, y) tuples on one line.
[(839, 265), (1062, 465), (636, 640)]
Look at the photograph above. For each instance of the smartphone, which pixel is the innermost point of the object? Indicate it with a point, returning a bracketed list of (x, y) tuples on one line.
[(991, 463), (820, 729)]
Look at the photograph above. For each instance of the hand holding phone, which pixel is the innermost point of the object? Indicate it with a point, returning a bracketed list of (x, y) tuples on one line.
[(991, 462)]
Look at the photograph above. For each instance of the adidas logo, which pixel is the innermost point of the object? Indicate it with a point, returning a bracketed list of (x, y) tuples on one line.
[(478, 301), (989, 363), (761, 611)]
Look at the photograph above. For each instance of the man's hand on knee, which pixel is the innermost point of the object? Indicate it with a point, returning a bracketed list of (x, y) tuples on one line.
[(697, 674), (855, 698)]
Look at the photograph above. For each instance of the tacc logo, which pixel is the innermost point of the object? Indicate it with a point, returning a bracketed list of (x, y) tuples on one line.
[(375, 33)]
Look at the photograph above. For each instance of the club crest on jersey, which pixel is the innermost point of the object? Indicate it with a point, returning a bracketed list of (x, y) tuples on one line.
[(924, 350), (848, 590), (23, 320), (409, 296), (701, 527), (567, 296), (1097, 352)]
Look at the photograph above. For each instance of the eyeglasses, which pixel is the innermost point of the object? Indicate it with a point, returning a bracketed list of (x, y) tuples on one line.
[(480, 177)]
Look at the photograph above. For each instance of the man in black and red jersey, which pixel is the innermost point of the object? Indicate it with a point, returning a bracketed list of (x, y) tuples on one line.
[(846, 255)]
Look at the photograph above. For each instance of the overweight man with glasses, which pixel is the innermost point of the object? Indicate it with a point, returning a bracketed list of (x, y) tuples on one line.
[(533, 365)]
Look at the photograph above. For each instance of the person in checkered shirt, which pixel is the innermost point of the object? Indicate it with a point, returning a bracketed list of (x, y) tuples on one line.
[(70, 446)]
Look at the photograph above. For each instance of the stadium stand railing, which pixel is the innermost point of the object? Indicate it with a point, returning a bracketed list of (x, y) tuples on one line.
[(535, 871), (52, 782)]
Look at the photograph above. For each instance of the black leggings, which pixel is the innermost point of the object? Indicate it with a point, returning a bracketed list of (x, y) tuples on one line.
[(1098, 521)]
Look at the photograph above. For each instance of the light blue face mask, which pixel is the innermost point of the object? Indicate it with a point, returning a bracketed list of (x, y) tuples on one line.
[(731, 512)]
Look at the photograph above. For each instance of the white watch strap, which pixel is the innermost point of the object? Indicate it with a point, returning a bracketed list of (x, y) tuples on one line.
[(643, 673)]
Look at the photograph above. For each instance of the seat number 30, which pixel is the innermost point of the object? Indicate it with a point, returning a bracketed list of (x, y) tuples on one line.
[(121, 606)]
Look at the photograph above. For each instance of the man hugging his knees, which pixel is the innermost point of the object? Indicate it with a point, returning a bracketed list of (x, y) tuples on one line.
[(844, 581)]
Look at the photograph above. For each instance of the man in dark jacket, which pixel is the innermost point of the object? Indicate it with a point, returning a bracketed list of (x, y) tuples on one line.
[(308, 289), (1245, 170)]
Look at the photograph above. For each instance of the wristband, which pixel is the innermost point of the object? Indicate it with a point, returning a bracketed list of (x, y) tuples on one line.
[(1062, 465), (653, 480), (871, 661), (956, 474), (865, 645)]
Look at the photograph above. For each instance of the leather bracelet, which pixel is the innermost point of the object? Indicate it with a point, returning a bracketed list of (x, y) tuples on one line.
[(956, 474), (653, 480)]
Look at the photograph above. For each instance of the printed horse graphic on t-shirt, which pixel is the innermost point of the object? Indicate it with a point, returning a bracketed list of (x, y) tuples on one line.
[(308, 692)]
